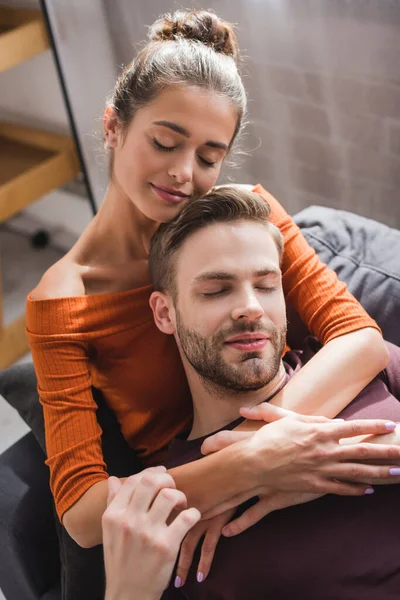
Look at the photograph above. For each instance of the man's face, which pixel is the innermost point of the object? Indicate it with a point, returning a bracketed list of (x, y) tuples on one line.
[(229, 314)]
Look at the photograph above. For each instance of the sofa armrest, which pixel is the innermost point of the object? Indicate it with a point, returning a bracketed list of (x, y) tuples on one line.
[(30, 564)]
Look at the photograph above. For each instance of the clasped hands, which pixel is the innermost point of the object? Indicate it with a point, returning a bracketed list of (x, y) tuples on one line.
[(291, 460), (299, 458)]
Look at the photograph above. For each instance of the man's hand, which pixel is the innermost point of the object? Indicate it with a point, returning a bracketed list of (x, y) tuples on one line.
[(140, 548)]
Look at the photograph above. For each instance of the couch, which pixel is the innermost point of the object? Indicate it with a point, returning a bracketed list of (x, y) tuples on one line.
[(364, 253)]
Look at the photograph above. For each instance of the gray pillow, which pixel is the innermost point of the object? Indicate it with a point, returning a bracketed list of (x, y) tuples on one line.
[(18, 385), (365, 254)]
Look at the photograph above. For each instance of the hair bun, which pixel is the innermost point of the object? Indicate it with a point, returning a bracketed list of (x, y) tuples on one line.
[(201, 25)]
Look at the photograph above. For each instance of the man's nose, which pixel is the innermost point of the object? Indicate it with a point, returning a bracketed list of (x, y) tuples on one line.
[(182, 169), (248, 308)]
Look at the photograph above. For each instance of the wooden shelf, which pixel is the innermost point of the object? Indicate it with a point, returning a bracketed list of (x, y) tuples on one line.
[(32, 163), (22, 35), (13, 342)]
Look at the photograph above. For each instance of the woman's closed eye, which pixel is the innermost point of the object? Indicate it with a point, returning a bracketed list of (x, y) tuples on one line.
[(206, 163), (162, 147)]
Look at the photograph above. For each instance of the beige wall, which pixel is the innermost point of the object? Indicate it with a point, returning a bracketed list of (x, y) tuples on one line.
[(323, 78)]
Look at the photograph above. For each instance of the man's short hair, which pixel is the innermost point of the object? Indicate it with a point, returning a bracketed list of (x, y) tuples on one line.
[(225, 204)]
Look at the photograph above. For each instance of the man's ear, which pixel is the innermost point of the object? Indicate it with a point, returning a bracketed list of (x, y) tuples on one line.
[(160, 305)]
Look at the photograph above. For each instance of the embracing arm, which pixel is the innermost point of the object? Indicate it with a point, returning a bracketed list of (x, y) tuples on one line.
[(354, 351), (336, 374)]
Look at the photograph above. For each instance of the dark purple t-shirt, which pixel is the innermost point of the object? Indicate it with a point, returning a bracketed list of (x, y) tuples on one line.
[(334, 548)]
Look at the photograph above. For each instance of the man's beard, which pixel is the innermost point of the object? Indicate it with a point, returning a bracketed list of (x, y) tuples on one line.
[(253, 370)]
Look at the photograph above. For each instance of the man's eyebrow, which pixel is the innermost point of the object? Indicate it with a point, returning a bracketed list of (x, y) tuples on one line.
[(223, 276), (182, 131)]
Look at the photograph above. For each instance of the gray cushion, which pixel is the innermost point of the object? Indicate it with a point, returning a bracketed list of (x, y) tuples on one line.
[(18, 385), (365, 254)]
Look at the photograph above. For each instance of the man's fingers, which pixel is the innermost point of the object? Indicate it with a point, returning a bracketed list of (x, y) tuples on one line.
[(222, 440), (357, 427), (165, 502), (147, 489), (188, 547), (114, 484), (125, 493)]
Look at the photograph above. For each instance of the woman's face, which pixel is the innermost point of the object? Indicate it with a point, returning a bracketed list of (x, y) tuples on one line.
[(172, 151)]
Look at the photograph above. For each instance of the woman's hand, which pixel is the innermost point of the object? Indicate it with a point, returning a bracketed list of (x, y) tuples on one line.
[(256, 418), (303, 454), (140, 548), (211, 530), (269, 501)]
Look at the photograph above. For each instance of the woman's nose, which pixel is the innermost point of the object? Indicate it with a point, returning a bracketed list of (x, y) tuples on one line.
[(182, 170)]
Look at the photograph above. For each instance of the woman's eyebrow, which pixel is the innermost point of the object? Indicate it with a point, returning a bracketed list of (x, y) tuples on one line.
[(182, 131)]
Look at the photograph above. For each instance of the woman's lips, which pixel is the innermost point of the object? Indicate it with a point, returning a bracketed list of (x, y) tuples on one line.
[(249, 345), (168, 196)]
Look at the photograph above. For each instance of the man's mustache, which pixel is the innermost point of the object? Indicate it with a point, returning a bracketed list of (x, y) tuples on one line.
[(253, 327)]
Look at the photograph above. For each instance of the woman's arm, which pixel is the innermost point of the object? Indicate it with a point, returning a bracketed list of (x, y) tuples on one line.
[(335, 375), (289, 454), (354, 351)]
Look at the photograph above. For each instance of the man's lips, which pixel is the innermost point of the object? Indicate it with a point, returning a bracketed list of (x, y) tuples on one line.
[(247, 342), (169, 194)]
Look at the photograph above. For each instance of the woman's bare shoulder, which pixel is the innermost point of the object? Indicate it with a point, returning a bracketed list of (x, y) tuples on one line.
[(61, 280)]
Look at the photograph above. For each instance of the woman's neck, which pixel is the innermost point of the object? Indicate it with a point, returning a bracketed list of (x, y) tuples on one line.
[(118, 235)]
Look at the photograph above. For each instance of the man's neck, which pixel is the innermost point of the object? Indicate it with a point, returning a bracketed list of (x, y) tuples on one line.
[(214, 408)]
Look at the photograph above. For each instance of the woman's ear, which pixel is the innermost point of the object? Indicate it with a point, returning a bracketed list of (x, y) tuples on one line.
[(111, 125), (160, 305)]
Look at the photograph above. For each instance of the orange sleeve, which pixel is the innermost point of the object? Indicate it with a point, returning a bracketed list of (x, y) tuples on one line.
[(73, 436), (323, 302)]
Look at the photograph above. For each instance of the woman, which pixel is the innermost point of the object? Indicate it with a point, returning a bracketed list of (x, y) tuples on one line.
[(174, 116)]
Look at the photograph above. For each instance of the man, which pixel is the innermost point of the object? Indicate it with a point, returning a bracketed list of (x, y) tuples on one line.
[(224, 304)]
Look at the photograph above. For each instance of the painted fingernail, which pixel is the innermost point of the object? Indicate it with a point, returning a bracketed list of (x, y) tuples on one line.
[(395, 471), (390, 426), (369, 491), (200, 576), (178, 582)]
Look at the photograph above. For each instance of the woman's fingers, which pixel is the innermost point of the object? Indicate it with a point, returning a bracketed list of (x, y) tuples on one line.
[(234, 502), (346, 429), (266, 504), (210, 542), (265, 412), (249, 518), (360, 473), (222, 440), (188, 547), (269, 413), (365, 451)]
